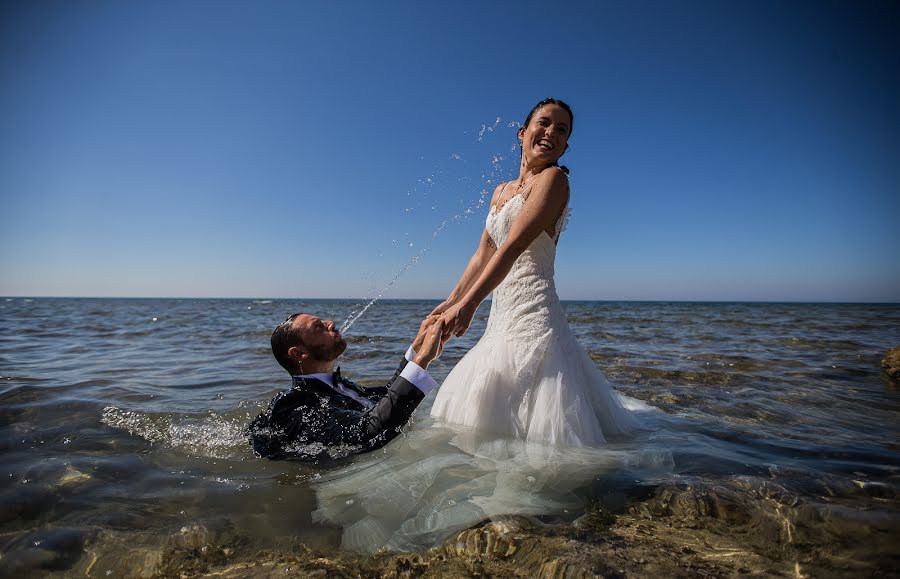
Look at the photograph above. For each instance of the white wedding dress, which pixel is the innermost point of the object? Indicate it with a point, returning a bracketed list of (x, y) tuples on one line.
[(522, 426), (528, 377)]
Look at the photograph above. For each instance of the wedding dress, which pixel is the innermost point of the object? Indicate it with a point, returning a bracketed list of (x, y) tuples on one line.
[(522, 426), (528, 377)]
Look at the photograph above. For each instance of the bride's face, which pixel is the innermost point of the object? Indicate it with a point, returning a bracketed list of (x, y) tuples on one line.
[(546, 136)]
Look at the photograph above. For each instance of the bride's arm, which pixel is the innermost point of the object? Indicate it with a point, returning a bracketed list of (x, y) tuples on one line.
[(549, 195), (478, 261)]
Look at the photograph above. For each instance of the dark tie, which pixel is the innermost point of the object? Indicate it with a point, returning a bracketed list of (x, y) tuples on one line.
[(336, 376)]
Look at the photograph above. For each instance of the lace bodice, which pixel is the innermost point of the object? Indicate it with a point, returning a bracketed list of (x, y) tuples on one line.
[(499, 222), (525, 307)]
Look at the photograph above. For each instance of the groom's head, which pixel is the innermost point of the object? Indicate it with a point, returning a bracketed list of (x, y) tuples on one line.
[(304, 338)]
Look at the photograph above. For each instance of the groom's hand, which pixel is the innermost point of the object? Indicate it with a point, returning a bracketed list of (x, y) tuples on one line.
[(430, 341), (423, 330)]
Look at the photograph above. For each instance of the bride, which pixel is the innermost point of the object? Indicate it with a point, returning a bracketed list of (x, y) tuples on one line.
[(517, 426), (527, 377)]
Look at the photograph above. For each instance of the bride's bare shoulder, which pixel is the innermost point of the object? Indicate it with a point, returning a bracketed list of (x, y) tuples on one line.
[(497, 191), (551, 183), (555, 178)]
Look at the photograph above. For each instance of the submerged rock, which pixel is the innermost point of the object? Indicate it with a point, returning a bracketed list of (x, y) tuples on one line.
[(43, 550), (195, 548), (72, 477), (738, 526), (891, 363)]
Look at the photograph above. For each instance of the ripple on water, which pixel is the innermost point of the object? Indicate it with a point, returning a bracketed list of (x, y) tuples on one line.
[(777, 416)]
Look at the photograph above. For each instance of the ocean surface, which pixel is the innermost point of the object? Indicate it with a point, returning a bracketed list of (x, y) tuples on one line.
[(121, 420)]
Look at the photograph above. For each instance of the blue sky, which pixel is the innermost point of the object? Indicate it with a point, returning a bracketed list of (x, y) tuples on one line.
[(721, 151)]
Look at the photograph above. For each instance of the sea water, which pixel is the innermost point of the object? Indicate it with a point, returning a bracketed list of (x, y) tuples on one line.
[(121, 420)]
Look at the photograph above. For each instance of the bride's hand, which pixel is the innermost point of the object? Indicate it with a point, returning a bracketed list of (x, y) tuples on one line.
[(457, 319), (442, 307)]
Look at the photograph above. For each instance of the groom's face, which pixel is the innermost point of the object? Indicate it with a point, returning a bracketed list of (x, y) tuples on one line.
[(321, 339)]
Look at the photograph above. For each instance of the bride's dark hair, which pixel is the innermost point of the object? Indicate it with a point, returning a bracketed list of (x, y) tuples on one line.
[(567, 108)]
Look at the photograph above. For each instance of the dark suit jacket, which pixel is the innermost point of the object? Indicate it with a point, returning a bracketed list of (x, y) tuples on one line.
[(314, 422)]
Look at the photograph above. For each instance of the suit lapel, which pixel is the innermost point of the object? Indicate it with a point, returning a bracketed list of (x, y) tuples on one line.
[(335, 398)]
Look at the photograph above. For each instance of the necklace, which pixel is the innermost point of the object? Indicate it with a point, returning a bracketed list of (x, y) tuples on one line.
[(498, 206), (526, 182)]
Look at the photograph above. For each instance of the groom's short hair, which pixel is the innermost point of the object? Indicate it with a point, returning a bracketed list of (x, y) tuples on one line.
[(284, 338)]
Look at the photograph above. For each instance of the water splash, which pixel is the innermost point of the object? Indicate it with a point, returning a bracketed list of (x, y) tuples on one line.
[(425, 186), (351, 319), (488, 129), (212, 436)]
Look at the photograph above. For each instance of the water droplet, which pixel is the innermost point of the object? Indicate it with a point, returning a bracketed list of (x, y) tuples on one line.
[(154, 319), (350, 501)]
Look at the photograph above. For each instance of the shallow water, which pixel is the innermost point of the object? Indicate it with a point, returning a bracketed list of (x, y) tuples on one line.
[(121, 420)]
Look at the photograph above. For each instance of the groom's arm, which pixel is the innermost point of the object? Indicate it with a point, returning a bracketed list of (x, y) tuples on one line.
[(410, 354), (383, 422), (407, 358), (382, 390), (407, 388)]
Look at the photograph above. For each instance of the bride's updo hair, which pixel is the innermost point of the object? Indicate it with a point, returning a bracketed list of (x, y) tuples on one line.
[(567, 108)]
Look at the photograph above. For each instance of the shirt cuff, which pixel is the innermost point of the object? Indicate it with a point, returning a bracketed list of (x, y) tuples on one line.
[(410, 354), (418, 377)]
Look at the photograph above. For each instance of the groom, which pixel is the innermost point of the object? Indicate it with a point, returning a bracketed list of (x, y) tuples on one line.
[(326, 416)]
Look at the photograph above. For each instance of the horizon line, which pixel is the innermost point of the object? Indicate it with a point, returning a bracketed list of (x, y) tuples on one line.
[(331, 299)]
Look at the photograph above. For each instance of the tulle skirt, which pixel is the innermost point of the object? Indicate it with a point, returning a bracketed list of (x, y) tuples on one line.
[(550, 392), (501, 438), (435, 481)]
